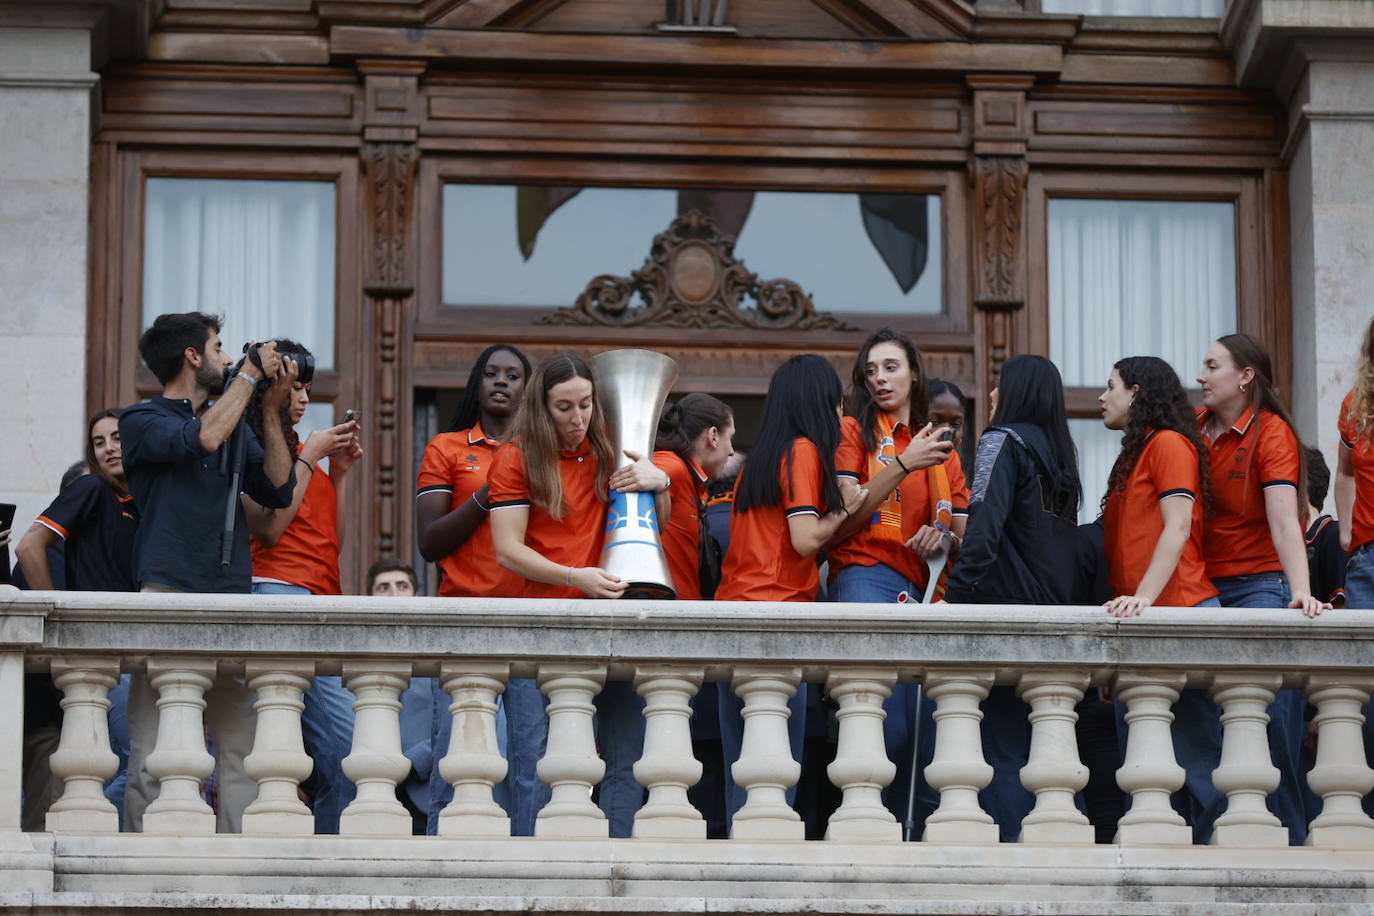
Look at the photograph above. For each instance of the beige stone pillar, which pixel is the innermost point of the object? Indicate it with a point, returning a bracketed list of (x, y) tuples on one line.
[(47, 93), (1053, 771), (1246, 774), (1151, 772), (570, 764), (11, 751), (861, 769), (959, 770), (179, 760), (473, 763), (667, 767), (278, 762), (1317, 60), (376, 763), (1342, 775), (83, 759), (765, 769)]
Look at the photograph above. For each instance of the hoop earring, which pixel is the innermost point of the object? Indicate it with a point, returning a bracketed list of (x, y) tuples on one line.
[(1242, 389)]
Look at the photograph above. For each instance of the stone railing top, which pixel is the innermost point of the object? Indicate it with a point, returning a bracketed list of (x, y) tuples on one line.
[(719, 635)]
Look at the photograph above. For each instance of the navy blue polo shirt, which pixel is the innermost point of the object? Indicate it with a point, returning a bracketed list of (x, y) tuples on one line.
[(99, 528), (181, 493)]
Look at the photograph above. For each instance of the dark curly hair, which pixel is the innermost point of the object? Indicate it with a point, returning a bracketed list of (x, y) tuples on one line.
[(253, 413), (1160, 403)]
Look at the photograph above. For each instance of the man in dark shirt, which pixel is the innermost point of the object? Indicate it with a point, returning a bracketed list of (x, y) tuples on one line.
[(175, 458)]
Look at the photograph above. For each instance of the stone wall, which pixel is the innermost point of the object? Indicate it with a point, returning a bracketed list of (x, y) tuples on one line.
[(47, 94)]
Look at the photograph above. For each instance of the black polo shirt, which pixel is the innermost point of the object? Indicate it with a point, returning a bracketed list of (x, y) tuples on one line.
[(181, 493), (98, 528)]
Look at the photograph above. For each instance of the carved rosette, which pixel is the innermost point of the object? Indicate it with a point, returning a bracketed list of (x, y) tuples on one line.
[(1000, 187), (692, 279)]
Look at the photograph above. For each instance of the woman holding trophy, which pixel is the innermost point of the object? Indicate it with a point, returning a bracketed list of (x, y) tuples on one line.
[(548, 490)]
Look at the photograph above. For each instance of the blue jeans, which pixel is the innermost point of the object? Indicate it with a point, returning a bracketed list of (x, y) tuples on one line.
[(620, 732), (327, 727), (1292, 803), (527, 732), (881, 584), (1359, 593), (118, 721)]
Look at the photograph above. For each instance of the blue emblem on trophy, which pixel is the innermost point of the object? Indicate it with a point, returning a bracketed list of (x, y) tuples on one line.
[(631, 387)]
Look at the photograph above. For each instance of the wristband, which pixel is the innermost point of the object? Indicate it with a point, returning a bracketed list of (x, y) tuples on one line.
[(477, 502), (569, 583), (898, 458), (308, 466), (244, 374)]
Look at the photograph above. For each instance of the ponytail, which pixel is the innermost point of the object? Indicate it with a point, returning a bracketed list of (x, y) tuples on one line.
[(687, 419)]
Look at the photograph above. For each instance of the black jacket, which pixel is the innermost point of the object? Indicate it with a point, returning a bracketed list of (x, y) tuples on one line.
[(1015, 551)]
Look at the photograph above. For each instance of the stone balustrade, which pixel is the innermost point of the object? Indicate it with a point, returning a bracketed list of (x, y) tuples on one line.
[(857, 653)]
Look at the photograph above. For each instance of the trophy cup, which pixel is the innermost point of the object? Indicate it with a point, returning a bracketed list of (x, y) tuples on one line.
[(631, 386)]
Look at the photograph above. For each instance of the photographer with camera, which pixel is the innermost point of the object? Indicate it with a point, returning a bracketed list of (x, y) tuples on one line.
[(177, 455)]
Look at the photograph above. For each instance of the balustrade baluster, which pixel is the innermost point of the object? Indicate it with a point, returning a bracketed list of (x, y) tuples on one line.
[(376, 764), (1054, 771), (765, 769), (1341, 776), (1151, 773), (473, 764), (83, 758), (278, 762), (1246, 775), (179, 761), (861, 769), (570, 764), (958, 769), (667, 767)]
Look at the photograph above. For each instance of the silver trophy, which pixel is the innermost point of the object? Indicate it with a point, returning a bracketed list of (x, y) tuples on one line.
[(632, 386)]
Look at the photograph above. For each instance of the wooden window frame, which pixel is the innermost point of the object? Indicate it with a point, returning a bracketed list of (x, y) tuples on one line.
[(1261, 305), (133, 380)]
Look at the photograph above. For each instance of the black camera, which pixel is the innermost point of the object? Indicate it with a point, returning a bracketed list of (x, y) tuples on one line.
[(305, 362)]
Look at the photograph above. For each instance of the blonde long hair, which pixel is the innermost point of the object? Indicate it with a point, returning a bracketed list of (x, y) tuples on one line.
[(534, 429), (1362, 404)]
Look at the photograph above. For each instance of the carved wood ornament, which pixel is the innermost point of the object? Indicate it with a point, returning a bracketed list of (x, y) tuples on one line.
[(692, 279), (1000, 189), (390, 170)]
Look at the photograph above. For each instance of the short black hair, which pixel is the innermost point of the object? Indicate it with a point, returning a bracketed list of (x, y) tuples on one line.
[(1318, 477), (167, 338), (73, 473), (390, 564)]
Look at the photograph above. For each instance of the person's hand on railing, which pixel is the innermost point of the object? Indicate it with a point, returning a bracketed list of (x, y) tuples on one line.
[(1310, 605), (1127, 606)]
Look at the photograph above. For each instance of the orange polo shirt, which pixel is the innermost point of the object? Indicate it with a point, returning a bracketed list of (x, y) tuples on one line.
[(681, 536), (457, 463), (1133, 521), (574, 540), (307, 553), (761, 564), (864, 548), (1258, 453), (1362, 460)]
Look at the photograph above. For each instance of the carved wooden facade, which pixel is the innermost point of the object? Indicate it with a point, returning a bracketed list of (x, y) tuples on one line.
[(996, 111)]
